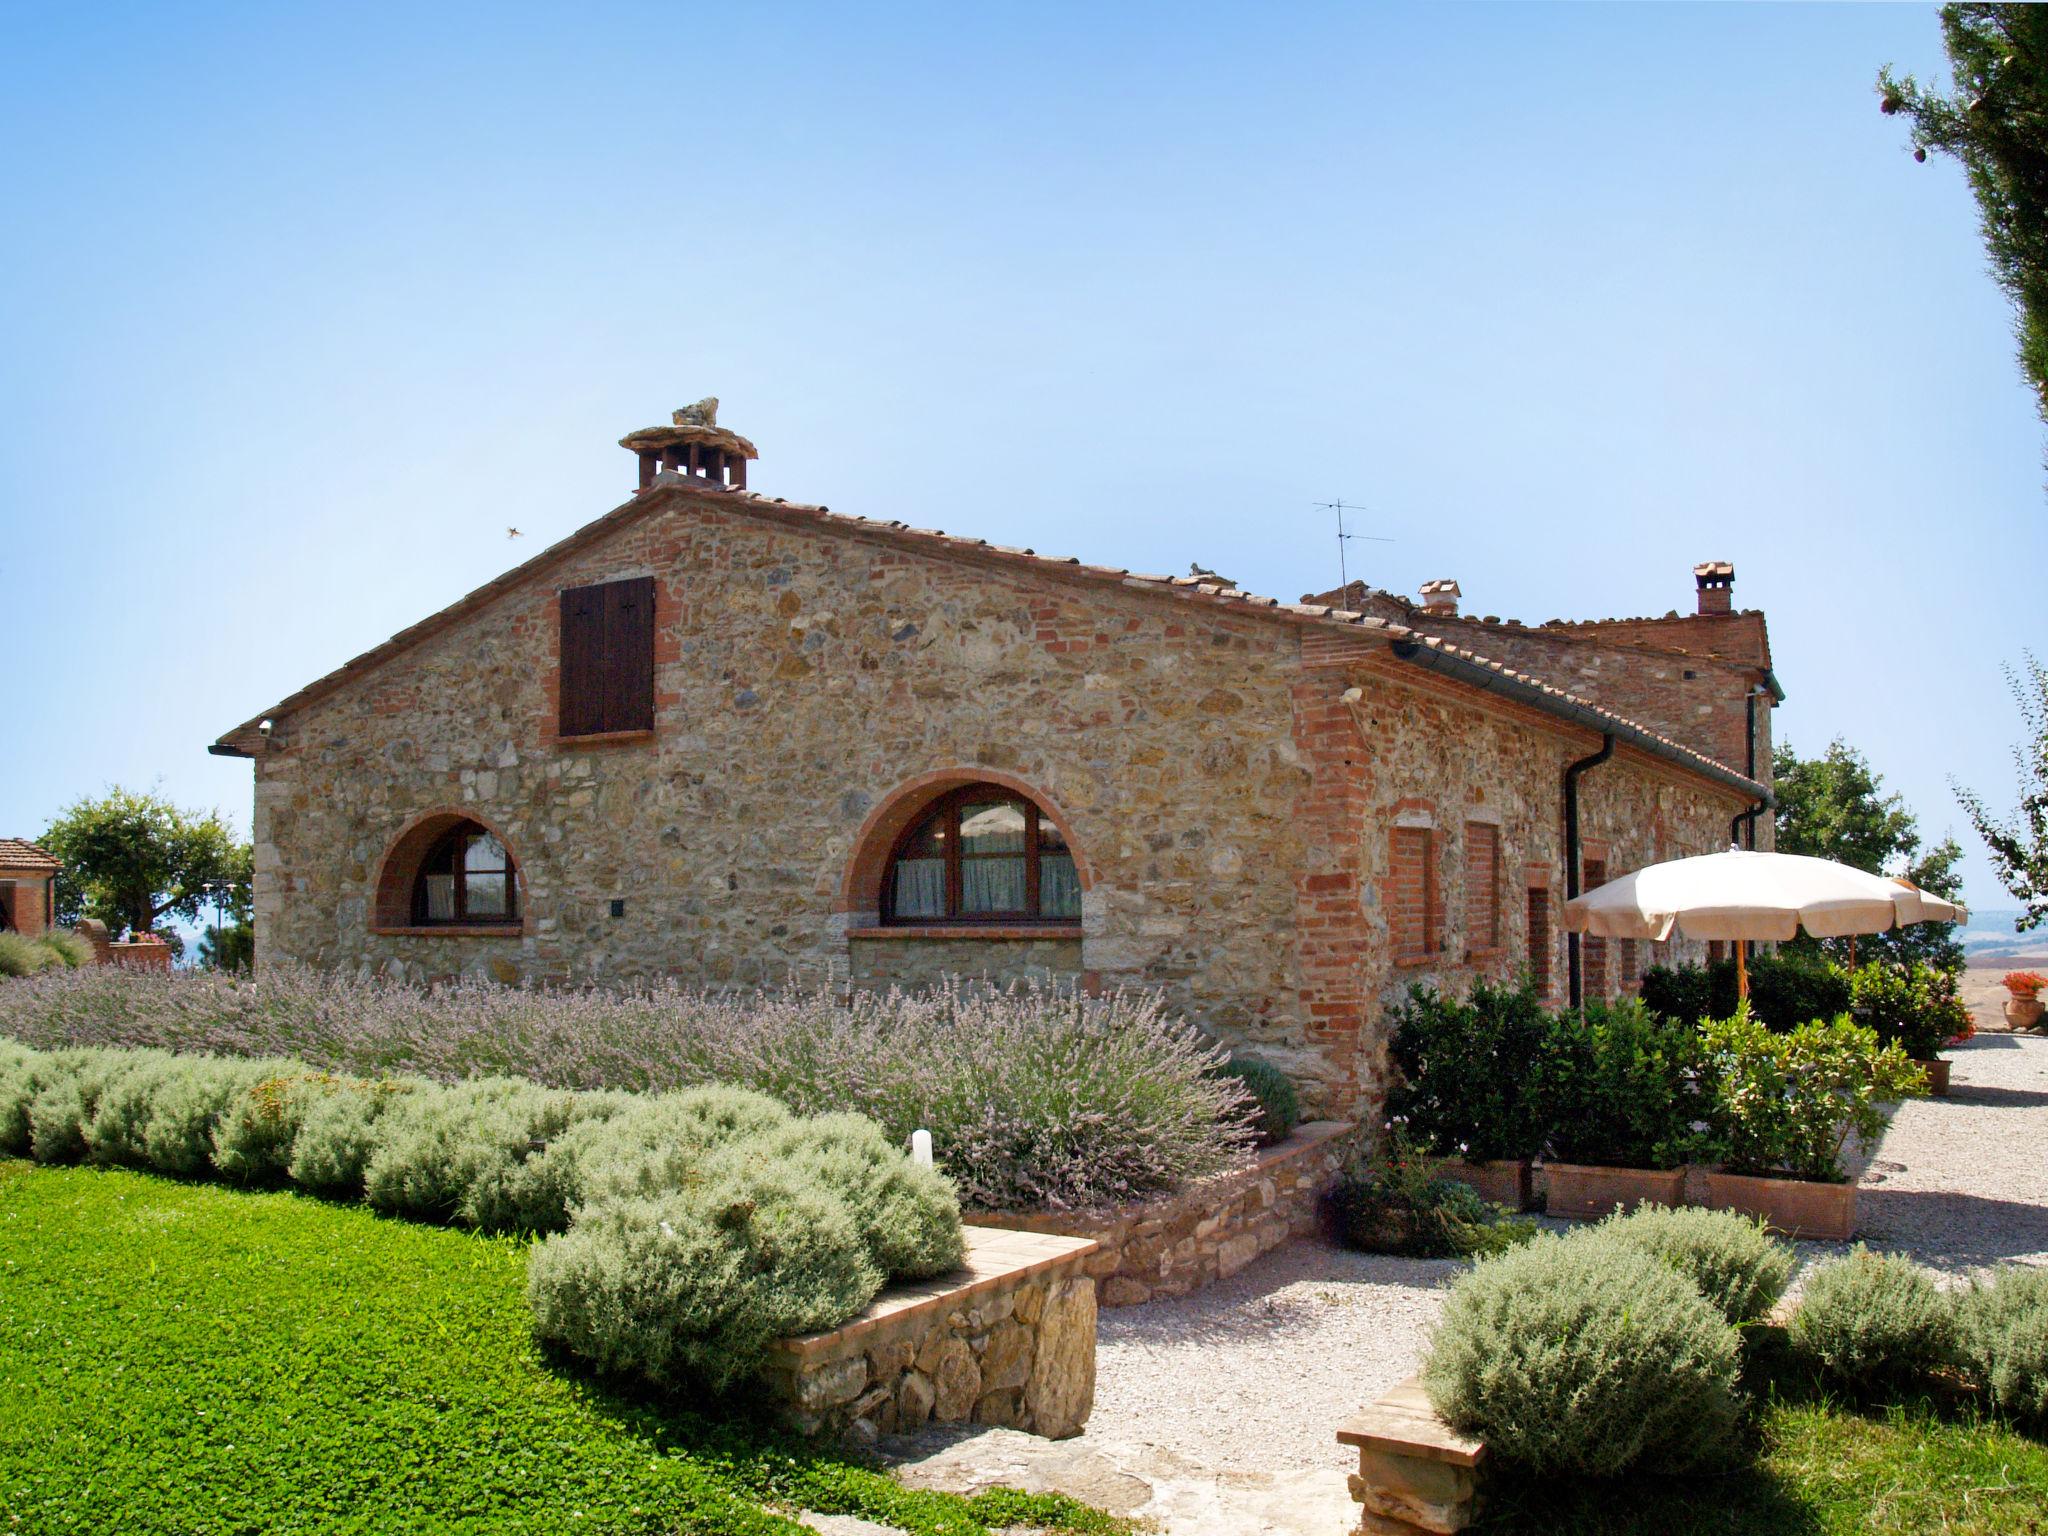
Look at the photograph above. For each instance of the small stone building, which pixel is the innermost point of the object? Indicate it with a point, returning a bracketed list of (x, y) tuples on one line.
[(28, 888), (734, 739)]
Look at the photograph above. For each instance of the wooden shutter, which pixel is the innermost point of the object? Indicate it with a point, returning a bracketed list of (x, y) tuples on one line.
[(607, 681)]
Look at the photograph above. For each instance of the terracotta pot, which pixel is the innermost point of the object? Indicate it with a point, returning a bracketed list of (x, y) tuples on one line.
[(1937, 1074), (1796, 1207), (1584, 1192), (2025, 1012), (1505, 1181)]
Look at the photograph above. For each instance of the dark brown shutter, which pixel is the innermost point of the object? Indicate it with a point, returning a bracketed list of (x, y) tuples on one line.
[(629, 655), (607, 681), (582, 686)]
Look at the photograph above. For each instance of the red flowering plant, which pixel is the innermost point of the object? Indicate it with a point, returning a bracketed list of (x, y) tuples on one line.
[(2025, 985)]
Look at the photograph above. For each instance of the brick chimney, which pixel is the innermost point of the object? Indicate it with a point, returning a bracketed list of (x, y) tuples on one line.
[(1441, 598), (694, 444), (1716, 580)]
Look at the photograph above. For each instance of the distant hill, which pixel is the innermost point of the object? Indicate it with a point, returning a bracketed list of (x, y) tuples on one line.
[(1992, 934)]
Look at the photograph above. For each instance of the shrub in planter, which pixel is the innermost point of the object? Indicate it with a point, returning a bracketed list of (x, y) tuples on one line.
[(1787, 1104), (1277, 1106), (1729, 1259), (2002, 1339), (1392, 1202), (1586, 1356), (1913, 1006), (695, 1282), (908, 1216), (1621, 1085), (1872, 1319), (1472, 1074)]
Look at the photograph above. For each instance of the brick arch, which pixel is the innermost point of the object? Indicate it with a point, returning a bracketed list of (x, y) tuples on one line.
[(391, 904), (860, 888)]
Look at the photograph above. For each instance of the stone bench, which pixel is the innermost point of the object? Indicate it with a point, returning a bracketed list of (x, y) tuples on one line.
[(1008, 1339), (1414, 1473)]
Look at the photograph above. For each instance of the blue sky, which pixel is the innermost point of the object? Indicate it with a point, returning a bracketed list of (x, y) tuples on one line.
[(300, 307)]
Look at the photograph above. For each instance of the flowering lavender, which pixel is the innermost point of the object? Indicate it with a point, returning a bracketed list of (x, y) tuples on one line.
[(1034, 1096)]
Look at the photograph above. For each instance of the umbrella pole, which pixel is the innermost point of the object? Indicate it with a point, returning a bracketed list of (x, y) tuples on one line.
[(1742, 969), (1852, 951)]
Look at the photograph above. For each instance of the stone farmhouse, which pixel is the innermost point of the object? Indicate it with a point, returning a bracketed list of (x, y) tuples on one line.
[(734, 740)]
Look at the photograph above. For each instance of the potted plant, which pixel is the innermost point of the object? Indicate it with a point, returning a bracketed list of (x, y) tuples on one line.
[(1623, 1102), (1468, 1085), (2026, 1007), (1783, 1105), (1915, 1006)]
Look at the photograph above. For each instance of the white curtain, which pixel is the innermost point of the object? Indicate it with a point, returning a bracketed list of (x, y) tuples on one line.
[(1059, 889), (992, 885), (440, 898), (920, 887)]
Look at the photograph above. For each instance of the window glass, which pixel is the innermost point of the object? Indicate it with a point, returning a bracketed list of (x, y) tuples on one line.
[(486, 855), (975, 856), (1059, 888)]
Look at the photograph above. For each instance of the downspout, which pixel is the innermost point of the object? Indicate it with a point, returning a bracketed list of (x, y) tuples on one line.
[(1742, 829), (1572, 862)]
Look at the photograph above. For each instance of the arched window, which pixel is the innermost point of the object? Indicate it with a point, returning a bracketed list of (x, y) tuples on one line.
[(466, 877), (981, 855)]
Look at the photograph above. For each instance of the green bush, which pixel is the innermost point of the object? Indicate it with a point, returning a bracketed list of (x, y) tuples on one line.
[(117, 1129), (1272, 1091), (659, 1143), (1913, 1006), (1622, 1087), (255, 1137), (67, 1090), (191, 1101), (1729, 1258), (19, 1079), (908, 1216), (71, 950), (1586, 1357), (20, 956), (1786, 988), (693, 1284), (1789, 1103), (1472, 1077), (337, 1133), (2002, 1339), (459, 1154), (1872, 1319), (1393, 1202)]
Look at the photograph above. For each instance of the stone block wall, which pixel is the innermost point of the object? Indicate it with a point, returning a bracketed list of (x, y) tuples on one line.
[(1179, 1244), (898, 957), (1009, 1340)]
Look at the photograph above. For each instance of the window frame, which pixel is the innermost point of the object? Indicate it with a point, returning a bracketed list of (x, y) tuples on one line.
[(460, 836), (948, 806)]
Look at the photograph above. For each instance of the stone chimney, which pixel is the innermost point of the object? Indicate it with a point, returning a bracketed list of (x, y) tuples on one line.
[(694, 444), (1441, 598), (1716, 580)]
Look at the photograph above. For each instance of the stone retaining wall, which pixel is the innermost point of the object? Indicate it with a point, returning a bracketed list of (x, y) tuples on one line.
[(1178, 1244), (1007, 1339)]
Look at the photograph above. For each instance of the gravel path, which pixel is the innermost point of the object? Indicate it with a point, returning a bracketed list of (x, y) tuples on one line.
[(1252, 1375)]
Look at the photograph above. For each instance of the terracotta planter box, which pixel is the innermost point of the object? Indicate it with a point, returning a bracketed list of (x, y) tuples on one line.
[(1796, 1207), (2025, 1013), (1504, 1182), (1585, 1192), (1937, 1074)]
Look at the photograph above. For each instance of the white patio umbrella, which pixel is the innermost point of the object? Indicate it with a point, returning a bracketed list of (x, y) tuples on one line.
[(1743, 895)]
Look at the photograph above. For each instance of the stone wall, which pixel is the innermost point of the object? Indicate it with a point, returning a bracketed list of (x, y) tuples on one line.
[(916, 958), (1226, 782), (1181, 1243), (1008, 1340)]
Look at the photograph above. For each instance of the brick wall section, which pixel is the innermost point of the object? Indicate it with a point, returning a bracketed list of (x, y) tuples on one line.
[(28, 900), (1228, 784), (1206, 1233), (1482, 888)]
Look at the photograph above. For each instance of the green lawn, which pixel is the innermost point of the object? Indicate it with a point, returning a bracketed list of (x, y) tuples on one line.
[(1824, 1467), (179, 1358)]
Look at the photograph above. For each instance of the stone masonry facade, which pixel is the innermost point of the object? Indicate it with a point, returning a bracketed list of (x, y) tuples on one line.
[(1230, 774)]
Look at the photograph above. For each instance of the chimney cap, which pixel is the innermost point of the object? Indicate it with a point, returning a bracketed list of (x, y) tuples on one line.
[(1714, 573), (1444, 585), (691, 424)]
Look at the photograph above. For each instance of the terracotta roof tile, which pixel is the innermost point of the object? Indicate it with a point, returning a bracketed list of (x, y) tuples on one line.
[(17, 854)]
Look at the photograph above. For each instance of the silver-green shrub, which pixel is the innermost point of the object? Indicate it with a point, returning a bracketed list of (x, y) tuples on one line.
[(191, 1101), (117, 1131), (70, 950), (439, 1145), (660, 1143), (694, 1283), (908, 1216), (1729, 1258), (337, 1134), (1586, 1356), (67, 1090), (2002, 1339), (19, 1079), (1872, 1319)]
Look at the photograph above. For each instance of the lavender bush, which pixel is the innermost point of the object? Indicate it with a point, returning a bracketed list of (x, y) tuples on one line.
[(1034, 1096)]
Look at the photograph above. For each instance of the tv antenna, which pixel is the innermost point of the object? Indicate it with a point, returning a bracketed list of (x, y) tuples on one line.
[(1340, 507)]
